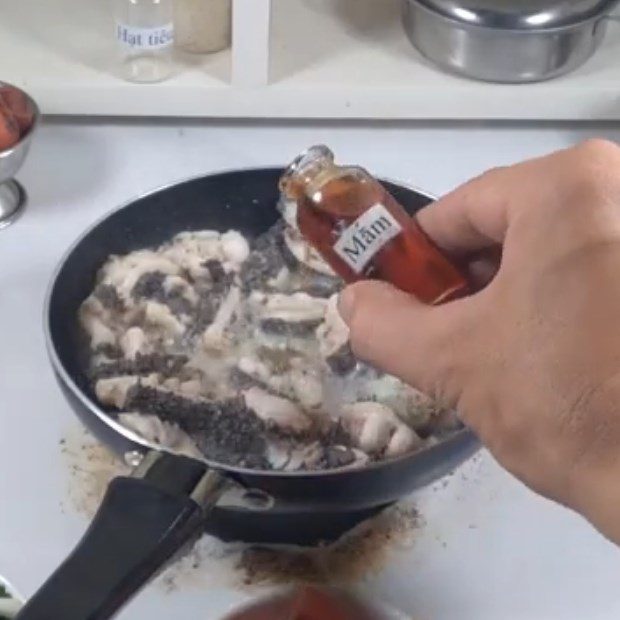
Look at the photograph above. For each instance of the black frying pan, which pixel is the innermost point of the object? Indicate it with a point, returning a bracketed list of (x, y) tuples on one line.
[(146, 518)]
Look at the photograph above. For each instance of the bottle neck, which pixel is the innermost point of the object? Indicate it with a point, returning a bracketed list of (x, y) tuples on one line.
[(308, 173)]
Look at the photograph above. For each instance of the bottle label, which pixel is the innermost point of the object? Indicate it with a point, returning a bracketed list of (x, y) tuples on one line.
[(145, 38), (360, 241)]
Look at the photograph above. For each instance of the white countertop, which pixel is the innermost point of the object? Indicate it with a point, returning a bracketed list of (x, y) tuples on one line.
[(490, 549)]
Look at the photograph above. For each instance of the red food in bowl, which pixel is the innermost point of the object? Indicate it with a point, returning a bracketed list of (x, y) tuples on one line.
[(307, 603), (19, 105), (9, 128)]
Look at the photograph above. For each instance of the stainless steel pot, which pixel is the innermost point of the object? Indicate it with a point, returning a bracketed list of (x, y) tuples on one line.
[(510, 41)]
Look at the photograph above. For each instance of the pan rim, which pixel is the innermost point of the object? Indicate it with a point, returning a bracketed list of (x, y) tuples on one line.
[(106, 419)]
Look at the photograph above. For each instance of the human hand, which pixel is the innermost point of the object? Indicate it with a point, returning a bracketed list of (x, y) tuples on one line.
[(531, 361)]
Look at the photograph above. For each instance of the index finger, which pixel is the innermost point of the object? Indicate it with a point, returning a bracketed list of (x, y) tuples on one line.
[(470, 218), (477, 215)]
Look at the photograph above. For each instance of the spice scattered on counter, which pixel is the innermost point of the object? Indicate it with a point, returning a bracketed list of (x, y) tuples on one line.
[(91, 466), (211, 563), (362, 552)]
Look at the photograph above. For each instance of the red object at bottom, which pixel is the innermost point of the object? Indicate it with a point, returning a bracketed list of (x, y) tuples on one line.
[(307, 603)]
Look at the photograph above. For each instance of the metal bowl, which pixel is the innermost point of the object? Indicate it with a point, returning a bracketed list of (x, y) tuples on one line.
[(12, 194), (507, 41)]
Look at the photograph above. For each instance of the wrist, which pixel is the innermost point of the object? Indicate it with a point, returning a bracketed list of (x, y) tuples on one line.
[(595, 477), (597, 498)]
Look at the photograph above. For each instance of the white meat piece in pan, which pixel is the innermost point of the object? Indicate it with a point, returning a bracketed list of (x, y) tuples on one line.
[(288, 210), (333, 338), (258, 370), (192, 388), (304, 457), (301, 383), (254, 368), (214, 336), (132, 342), (276, 411), (92, 317), (306, 384), (181, 284), (161, 433), (113, 390), (408, 403), (290, 456), (123, 272), (159, 315), (280, 280), (192, 249), (235, 249), (375, 428), (333, 333), (304, 253), (403, 440), (361, 458), (294, 308)]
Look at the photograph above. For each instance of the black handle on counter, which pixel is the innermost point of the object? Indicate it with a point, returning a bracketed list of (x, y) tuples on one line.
[(141, 523)]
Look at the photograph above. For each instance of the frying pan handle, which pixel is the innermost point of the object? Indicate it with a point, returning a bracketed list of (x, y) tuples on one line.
[(142, 522)]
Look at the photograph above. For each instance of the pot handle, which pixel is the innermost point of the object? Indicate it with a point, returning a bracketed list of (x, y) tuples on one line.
[(141, 523)]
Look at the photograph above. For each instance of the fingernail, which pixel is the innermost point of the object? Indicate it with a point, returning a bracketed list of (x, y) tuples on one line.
[(346, 301)]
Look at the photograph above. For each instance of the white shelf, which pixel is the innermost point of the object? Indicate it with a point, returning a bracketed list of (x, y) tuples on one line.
[(357, 62), (326, 59)]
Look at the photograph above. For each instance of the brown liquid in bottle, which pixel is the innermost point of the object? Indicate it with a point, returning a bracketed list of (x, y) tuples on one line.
[(363, 233)]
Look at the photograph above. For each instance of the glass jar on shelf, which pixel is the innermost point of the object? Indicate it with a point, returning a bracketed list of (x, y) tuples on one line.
[(145, 36), (203, 26)]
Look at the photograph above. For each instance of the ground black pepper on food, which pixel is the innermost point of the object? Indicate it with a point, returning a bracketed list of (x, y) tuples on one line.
[(151, 286), (265, 260), (299, 329), (142, 365), (108, 297), (342, 362), (226, 431)]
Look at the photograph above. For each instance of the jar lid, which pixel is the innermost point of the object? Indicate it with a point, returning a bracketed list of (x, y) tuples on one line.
[(520, 14)]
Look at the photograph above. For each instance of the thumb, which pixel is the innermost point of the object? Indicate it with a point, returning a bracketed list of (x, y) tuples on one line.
[(425, 346)]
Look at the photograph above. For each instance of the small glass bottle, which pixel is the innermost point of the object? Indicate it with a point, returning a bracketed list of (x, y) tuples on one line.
[(362, 232), (145, 34)]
